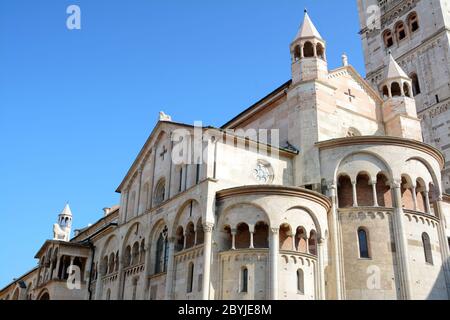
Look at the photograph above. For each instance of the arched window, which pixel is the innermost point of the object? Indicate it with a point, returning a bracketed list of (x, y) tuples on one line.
[(363, 242), (179, 238), (427, 248), (320, 51), (406, 89), (117, 261), (364, 191), (301, 240), (308, 50), (297, 53), (385, 92), (312, 243), (261, 236), (384, 195), (146, 194), (112, 262), (162, 252), (413, 22), (388, 39), (415, 84), (135, 254), (395, 89), (244, 280), (345, 192), (285, 236), (104, 266), (160, 192), (142, 252), (242, 236), (300, 282), (190, 235), (200, 232), (190, 278), (400, 31)]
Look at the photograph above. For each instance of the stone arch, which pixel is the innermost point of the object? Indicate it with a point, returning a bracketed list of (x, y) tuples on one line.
[(364, 189), (242, 236), (301, 240), (189, 211), (413, 22), (385, 91), (395, 89), (160, 192), (44, 295), (433, 177), (406, 191), (308, 49), (415, 83), (388, 38), (16, 294), (316, 224), (286, 237), (345, 191), (406, 89), (400, 31), (320, 51), (190, 235), (384, 193), (247, 212), (297, 53), (261, 235)]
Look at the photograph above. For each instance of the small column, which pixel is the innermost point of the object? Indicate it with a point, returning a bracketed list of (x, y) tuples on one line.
[(375, 197), (335, 234), (185, 240), (320, 270), (195, 237), (207, 251), (443, 242), (233, 239), (355, 197), (55, 276), (274, 250), (414, 195), (252, 232), (170, 269), (427, 201), (401, 243), (293, 242)]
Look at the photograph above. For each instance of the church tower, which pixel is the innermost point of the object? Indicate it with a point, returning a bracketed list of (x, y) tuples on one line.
[(417, 34), (399, 108), (61, 230), (308, 54)]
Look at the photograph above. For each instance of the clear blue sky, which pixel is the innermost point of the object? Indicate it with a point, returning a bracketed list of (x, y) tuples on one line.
[(77, 106)]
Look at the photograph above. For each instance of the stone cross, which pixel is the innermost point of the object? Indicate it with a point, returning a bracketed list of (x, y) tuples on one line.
[(350, 95)]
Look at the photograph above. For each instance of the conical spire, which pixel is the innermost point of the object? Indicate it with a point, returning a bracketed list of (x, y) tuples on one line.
[(308, 29), (66, 211), (394, 71)]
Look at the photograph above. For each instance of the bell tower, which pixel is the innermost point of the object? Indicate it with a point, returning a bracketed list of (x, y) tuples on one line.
[(61, 229), (308, 54), (399, 107)]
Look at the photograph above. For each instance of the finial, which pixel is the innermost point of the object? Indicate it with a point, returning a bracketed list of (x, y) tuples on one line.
[(389, 52), (344, 60), (306, 10), (164, 117)]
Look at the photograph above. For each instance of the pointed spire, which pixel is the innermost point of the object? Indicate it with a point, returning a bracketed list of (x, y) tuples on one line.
[(66, 211), (308, 29), (394, 71)]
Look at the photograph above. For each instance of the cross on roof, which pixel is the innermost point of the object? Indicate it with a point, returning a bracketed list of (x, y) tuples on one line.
[(163, 153), (350, 95)]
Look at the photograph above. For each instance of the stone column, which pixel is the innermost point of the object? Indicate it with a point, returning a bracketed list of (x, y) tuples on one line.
[(355, 196), (414, 195), (233, 239), (293, 242), (375, 197), (320, 270), (121, 278), (427, 201), (443, 243), (252, 232), (401, 243), (335, 232), (55, 276), (207, 252), (170, 275), (274, 250), (185, 240)]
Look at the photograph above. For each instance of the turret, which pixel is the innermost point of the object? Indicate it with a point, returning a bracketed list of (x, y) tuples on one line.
[(61, 230), (308, 53), (399, 108)]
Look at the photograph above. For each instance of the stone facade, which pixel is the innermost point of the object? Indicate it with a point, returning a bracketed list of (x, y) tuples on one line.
[(343, 200)]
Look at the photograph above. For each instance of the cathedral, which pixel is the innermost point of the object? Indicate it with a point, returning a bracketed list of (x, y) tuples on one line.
[(332, 187)]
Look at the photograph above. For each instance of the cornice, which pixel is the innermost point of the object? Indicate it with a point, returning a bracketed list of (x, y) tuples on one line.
[(275, 190), (384, 140)]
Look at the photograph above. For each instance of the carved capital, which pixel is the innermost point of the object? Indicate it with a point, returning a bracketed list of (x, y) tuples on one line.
[(274, 230), (208, 227)]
